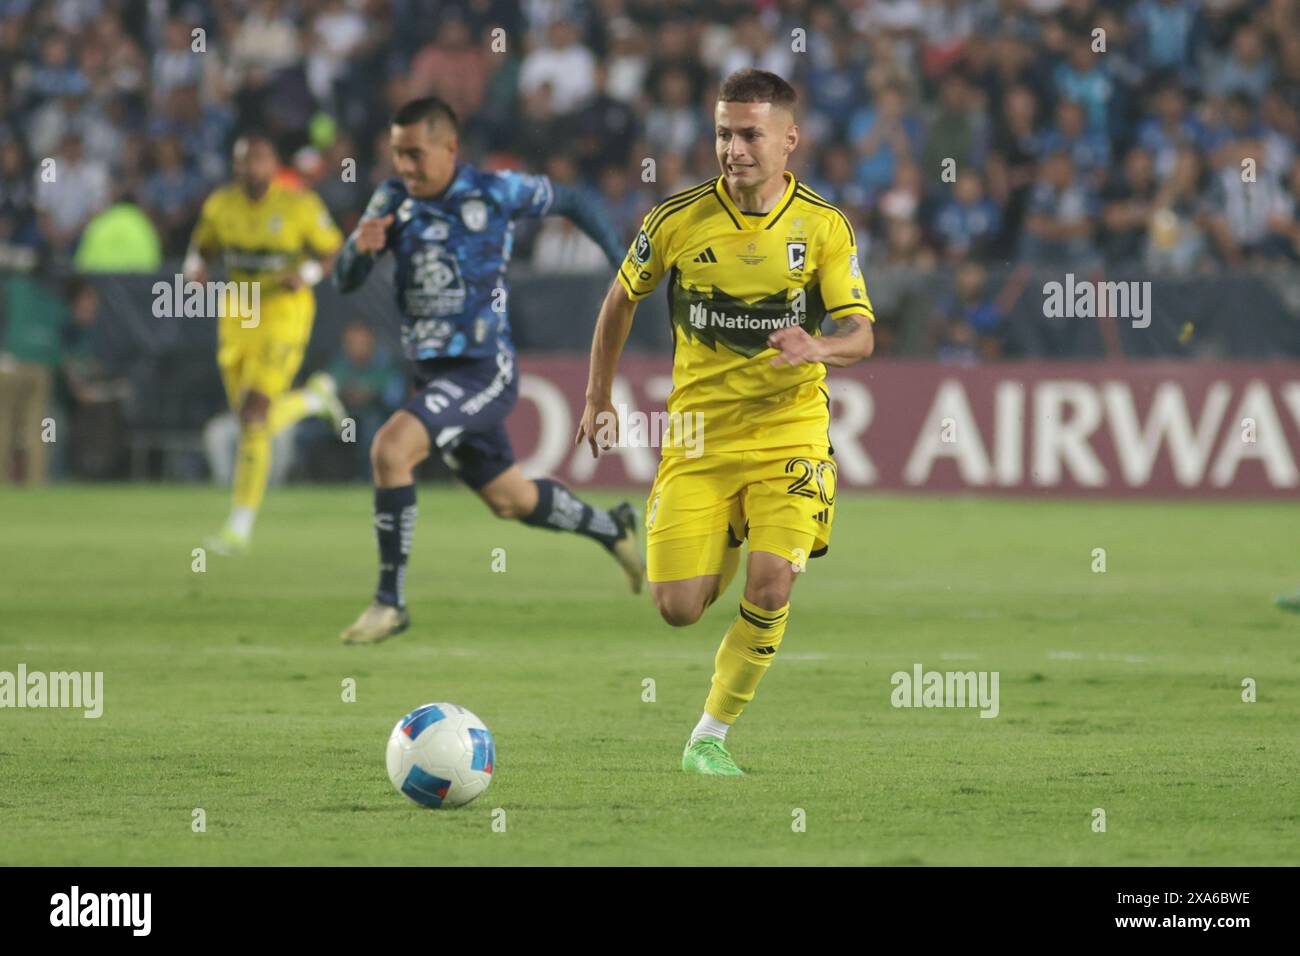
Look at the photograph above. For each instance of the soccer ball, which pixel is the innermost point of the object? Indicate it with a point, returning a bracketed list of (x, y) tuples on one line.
[(440, 755)]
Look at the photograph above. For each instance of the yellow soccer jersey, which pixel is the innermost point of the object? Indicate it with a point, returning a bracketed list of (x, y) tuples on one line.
[(258, 238), (735, 278)]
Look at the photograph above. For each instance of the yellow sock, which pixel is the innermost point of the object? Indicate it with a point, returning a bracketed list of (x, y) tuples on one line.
[(252, 466), (743, 658), (289, 409)]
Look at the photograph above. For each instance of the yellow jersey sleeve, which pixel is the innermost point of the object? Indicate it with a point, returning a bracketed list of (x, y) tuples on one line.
[(646, 262), (205, 230), (843, 288), (318, 230)]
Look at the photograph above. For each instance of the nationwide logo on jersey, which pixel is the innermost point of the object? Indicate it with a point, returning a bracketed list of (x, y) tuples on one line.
[(474, 212), (718, 318), (796, 253)]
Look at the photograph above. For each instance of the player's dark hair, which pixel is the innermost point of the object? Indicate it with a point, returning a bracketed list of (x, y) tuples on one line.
[(427, 109), (757, 86)]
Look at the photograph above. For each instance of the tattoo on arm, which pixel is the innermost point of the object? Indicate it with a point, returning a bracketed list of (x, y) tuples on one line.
[(844, 327)]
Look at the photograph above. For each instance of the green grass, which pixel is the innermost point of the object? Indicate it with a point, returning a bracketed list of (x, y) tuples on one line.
[(223, 689)]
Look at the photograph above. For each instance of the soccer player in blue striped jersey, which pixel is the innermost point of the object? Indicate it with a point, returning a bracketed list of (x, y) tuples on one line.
[(450, 228)]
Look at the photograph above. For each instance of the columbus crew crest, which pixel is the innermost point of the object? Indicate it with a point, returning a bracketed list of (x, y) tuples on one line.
[(795, 255)]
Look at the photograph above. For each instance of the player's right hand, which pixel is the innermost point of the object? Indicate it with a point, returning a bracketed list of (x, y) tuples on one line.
[(599, 426), (372, 234)]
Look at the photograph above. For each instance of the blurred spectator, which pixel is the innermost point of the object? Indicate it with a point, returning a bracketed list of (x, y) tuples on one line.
[(967, 223), (94, 393), (1128, 202), (119, 239), (31, 351), (1164, 31), (1170, 129), (370, 384), (562, 63), (1084, 79), (965, 324), (1059, 220), (1088, 148), (70, 190), (17, 195), (884, 135), (957, 131), (172, 194), (1247, 68), (1245, 210), (674, 123), (1176, 238), (452, 67)]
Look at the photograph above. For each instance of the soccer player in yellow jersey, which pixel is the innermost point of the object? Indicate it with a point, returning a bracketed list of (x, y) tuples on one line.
[(271, 239), (755, 261)]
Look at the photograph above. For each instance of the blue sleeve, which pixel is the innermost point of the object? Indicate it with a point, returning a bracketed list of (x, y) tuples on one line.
[(588, 214), (351, 266), (522, 195)]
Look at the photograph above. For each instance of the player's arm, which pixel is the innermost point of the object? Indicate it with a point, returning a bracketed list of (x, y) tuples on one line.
[(599, 425), (588, 214), (368, 241), (849, 342), (204, 247), (844, 291), (638, 274), (526, 195)]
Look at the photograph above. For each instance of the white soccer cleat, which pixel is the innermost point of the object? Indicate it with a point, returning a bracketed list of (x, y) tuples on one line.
[(377, 622), (323, 386)]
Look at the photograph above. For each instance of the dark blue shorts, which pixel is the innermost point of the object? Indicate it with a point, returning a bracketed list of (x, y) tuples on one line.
[(463, 403)]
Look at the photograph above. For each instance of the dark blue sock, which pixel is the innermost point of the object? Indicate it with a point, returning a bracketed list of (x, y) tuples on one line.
[(560, 509), (394, 528)]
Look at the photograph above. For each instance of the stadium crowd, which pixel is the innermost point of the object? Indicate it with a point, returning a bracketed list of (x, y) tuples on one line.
[(1040, 130), (978, 139)]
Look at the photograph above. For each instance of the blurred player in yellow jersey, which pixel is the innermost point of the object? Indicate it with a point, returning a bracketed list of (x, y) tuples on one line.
[(280, 242), (755, 261)]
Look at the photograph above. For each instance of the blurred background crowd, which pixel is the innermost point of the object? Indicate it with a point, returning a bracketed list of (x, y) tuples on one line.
[(971, 140), (1065, 143)]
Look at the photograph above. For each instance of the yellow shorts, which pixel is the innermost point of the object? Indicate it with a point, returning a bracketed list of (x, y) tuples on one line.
[(781, 499), (266, 357)]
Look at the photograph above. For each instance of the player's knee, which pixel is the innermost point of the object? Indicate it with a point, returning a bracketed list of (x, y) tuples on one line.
[(770, 595), (676, 608), (253, 410), (387, 457), (502, 507)]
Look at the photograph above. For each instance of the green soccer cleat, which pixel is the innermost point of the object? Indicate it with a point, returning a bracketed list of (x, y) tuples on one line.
[(708, 755), (228, 542), (1289, 602), (376, 623), (626, 550)]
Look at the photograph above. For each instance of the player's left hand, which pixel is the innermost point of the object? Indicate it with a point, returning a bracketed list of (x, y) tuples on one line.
[(796, 346)]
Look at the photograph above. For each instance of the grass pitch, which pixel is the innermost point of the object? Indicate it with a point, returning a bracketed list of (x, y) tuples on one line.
[(223, 690)]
